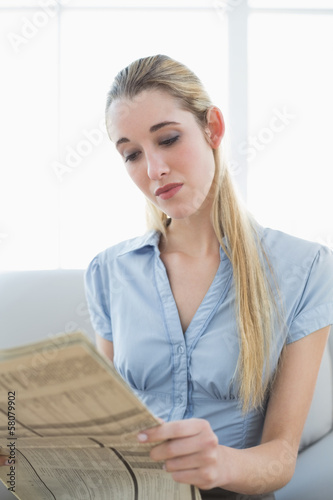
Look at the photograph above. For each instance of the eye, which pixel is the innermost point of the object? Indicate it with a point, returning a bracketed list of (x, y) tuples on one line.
[(132, 157), (169, 142)]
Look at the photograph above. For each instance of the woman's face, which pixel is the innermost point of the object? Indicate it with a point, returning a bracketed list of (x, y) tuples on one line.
[(164, 151)]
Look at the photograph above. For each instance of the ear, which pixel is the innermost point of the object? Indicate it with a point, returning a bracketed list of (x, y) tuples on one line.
[(215, 126)]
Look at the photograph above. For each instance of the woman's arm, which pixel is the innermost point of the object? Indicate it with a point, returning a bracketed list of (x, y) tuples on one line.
[(104, 347), (191, 452)]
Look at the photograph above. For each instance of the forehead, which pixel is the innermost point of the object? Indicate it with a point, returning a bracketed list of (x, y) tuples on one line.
[(144, 110)]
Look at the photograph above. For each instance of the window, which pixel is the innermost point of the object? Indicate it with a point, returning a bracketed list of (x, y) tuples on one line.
[(290, 127), (64, 194)]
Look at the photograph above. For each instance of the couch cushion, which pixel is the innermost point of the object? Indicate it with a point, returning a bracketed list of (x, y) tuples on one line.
[(35, 305)]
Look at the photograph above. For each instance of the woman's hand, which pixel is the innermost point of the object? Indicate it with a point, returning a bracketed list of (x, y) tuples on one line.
[(3, 460), (190, 451)]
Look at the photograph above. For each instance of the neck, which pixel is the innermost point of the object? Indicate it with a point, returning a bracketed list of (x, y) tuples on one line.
[(194, 236)]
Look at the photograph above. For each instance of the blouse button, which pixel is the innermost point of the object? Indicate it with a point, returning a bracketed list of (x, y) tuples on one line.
[(181, 349)]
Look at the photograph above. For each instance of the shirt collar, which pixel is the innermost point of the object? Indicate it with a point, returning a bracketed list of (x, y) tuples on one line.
[(151, 238)]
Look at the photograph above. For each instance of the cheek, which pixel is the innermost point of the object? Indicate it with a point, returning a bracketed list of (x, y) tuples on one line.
[(202, 176), (198, 163), (186, 158)]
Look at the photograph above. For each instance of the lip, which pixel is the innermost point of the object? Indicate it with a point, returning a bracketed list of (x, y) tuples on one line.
[(168, 190)]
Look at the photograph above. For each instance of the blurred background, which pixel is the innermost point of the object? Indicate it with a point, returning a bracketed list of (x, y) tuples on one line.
[(64, 193)]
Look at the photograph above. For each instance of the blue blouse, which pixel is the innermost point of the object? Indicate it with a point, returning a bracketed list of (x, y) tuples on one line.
[(181, 376)]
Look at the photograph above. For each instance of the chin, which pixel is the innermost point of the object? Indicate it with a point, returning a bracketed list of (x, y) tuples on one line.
[(178, 210), (181, 213)]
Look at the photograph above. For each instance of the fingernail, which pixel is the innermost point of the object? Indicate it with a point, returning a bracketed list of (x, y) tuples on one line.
[(7, 462), (142, 437)]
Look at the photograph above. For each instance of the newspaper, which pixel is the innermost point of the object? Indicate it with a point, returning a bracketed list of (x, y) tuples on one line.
[(69, 424)]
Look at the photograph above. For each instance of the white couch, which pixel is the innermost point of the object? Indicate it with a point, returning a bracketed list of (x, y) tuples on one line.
[(36, 304)]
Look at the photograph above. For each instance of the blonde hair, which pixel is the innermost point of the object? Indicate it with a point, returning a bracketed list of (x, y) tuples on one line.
[(255, 303)]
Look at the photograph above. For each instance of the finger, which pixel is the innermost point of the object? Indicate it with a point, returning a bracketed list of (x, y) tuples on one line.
[(175, 448), (173, 430), (183, 463), (186, 476), (204, 481), (202, 478), (191, 461), (142, 436), (4, 460), (203, 445)]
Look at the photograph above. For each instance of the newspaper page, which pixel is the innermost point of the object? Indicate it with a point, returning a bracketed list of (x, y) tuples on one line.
[(69, 423)]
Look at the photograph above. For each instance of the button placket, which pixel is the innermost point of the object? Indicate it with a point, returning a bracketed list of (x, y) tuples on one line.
[(175, 335)]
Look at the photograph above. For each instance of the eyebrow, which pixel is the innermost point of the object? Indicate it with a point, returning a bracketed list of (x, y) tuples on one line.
[(152, 129), (156, 127)]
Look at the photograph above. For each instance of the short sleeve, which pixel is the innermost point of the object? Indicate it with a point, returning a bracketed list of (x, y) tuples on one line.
[(315, 307), (98, 299)]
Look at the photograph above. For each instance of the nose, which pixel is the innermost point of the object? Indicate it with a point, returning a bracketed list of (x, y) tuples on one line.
[(156, 167)]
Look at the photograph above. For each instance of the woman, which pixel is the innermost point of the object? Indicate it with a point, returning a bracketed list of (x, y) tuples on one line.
[(208, 316)]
